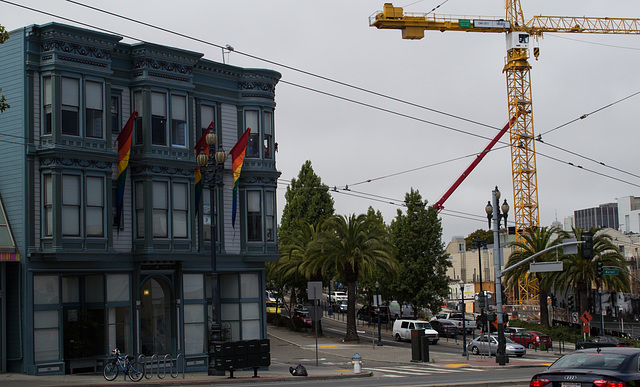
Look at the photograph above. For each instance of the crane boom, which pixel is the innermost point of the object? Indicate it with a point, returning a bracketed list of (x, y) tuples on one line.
[(439, 205)]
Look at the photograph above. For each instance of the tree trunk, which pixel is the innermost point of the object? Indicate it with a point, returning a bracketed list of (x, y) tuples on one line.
[(544, 310), (352, 334)]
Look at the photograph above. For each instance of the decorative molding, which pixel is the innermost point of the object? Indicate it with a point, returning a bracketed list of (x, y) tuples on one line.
[(257, 85), (148, 63), (50, 161), (74, 48), (155, 169)]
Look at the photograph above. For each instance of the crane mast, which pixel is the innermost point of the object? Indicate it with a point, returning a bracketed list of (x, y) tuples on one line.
[(519, 97)]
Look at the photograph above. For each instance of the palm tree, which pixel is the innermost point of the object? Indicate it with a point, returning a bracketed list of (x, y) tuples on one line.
[(352, 247), (581, 274), (535, 240)]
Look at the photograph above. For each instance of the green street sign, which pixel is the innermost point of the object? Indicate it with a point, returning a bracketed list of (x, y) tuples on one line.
[(610, 271), (464, 23)]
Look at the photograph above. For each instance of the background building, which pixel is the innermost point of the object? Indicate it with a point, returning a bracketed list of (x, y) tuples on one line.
[(76, 285), (629, 214), (603, 216)]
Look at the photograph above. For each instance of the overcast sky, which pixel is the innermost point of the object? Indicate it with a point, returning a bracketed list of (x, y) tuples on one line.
[(398, 146)]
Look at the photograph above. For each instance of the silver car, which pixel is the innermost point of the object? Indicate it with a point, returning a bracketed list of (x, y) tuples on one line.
[(488, 345)]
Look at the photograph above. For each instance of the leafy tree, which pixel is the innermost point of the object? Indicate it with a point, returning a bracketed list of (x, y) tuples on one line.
[(535, 240), (4, 35), (581, 274), (479, 234), (308, 202), (417, 234), (306, 199), (352, 247)]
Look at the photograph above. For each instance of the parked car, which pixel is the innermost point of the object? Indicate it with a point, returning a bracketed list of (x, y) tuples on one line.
[(444, 328), (488, 345), (337, 296), (270, 296), (370, 313), (302, 318), (510, 330), (340, 307), (272, 307), (609, 366), (602, 341), (397, 311), (402, 330), (302, 307), (531, 339)]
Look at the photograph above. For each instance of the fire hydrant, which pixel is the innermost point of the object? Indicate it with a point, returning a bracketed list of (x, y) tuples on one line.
[(356, 360)]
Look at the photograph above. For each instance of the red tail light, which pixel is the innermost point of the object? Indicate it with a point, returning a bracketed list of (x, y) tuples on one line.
[(538, 382), (609, 383)]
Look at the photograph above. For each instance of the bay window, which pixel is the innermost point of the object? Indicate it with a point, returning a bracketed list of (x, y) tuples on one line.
[(48, 205), (95, 206), (254, 216), (160, 209), (178, 120), (139, 209), (70, 106), (269, 211), (138, 106), (71, 205), (47, 96), (115, 113), (268, 134), (180, 211), (251, 120), (93, 109), (158, 118)]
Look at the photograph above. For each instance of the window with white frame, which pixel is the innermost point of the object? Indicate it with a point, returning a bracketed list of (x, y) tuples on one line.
[(251, 120), (95, 206), (240, 307), (93, 109), (158, 118), (71, 205), (70, 106), (118, 311), (254, 216), (207, 115), (160, 209), (269, 215), (180, 211), (267, 124), (47, 96), (178, 120)]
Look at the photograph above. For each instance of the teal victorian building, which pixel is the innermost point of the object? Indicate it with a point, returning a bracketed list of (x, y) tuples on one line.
[(74, 284)]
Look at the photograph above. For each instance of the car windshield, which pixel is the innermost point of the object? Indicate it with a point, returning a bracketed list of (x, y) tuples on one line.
[(590, 360), (271, 305), (423, 325)]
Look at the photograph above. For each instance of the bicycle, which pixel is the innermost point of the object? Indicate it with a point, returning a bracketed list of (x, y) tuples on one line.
[(135, 370)]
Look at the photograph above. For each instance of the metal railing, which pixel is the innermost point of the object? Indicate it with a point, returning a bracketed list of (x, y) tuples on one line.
[(160, 364)]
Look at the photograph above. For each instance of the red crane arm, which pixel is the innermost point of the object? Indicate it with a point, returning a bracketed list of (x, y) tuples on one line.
[(439, 205)]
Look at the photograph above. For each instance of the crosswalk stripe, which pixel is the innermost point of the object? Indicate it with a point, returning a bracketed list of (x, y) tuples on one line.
[(410, 371)]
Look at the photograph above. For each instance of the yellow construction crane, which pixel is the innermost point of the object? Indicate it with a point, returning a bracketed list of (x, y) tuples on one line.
[(518, 35)]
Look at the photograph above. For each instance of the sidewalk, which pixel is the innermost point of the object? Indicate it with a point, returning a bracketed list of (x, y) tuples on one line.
[(288, 348)]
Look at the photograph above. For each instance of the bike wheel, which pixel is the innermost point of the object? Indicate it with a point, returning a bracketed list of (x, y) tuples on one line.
[(136, 371), (110, 371)]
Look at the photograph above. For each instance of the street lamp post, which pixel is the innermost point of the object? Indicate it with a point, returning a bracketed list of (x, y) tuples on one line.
[(478, 243), (214, 172), (494, 213), (378, 303)]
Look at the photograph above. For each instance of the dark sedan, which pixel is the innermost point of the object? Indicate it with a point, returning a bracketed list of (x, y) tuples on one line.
[(602, 341), (612, 366), (444, 328)]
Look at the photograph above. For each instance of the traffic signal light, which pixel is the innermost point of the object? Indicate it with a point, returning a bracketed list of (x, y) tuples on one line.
[(599, 269), (570, 302), (587, 246)]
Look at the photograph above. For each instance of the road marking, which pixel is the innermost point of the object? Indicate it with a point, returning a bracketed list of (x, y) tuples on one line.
[(328, 346), (409, 370)]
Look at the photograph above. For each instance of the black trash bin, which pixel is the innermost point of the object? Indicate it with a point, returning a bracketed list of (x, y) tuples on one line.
[(424, 348), (416, 344)]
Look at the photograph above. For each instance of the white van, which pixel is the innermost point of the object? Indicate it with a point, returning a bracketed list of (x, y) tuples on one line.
[(396, 312), (402, 330)]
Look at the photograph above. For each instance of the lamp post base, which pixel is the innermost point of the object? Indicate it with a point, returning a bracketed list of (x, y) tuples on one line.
[(215, 335)]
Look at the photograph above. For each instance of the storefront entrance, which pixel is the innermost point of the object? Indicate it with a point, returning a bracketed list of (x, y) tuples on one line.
[(157, 326)]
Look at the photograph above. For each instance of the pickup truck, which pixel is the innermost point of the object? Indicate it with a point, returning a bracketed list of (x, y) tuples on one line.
[(456, 318)]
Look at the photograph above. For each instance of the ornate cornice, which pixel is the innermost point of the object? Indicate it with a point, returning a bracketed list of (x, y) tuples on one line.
[(258, 86), (162, 170), (155, 64), (74, 48), (51, 161)]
